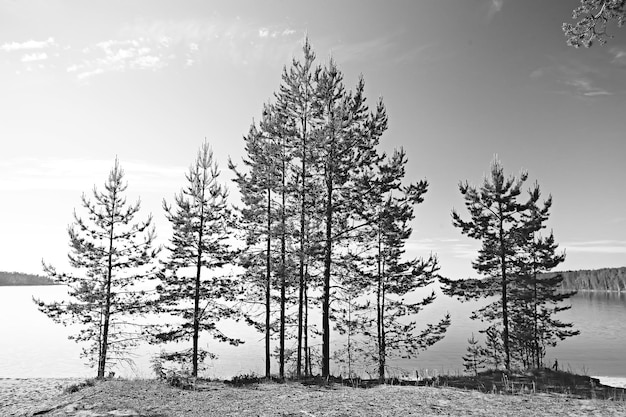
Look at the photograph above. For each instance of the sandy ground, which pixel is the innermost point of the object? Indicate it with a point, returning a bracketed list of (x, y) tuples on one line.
[(156, 399)]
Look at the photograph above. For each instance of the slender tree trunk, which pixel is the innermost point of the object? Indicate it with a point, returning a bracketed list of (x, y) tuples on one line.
[(326, 289), (283, 269), (349, 335), (380, 300), (196, 296), (307, 361), (505, 315), (328, 250), (268, 285), (536, 354), (107, 306), (301, 269)]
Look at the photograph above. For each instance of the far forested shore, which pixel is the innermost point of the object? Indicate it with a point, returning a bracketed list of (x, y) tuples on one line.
[(605, 279), (18, 278)]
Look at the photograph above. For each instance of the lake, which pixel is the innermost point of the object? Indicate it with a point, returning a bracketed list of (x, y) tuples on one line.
[(32, 345)]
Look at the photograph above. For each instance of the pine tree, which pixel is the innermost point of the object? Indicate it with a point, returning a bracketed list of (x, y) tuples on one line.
[(495, 221), (538, 296), (278, 126), (593, 18), (346, 146), (200, 219), (258, 219), (493, 346), (113, 253), (297, 98), (474, 360), (393, 279)]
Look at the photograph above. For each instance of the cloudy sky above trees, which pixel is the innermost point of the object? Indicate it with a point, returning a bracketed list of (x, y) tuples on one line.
[(147, 81)]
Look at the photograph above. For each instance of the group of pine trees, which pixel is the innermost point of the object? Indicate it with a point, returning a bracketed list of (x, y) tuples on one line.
[(322, 224), (325, 217), (512, 259)]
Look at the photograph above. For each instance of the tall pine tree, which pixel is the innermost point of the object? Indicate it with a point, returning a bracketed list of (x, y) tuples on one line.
[(257, 187), (296, 97), (390, 278), (200, 220)]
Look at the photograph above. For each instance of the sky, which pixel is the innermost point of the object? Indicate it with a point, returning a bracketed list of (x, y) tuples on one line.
[(82, 83)]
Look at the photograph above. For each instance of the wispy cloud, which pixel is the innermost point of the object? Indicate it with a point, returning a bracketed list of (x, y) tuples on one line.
[(585, 86), (37, 56), (597, 246), (495, 6), (363, 50), (119, 56), (80, 175), (575, 78), (618, 54), (157, 44), (275, 33), (27, 45), (451, 246), (209, 39)]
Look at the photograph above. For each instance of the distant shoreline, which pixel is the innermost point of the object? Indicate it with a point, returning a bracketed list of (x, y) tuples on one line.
[(52, 284), (618, 291), (22, 279)]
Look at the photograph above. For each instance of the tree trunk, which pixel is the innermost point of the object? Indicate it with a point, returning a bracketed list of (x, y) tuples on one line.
[(380, 306), (505, 315), (268, 285), (283, 269), (196, 296), (301, 268), (326, 289), (107, 306), (307, 361)]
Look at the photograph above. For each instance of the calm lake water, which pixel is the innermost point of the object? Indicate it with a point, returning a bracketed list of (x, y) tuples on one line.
[(32, 345)]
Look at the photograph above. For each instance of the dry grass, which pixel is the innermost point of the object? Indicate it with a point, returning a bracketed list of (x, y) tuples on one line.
[(152, 398)]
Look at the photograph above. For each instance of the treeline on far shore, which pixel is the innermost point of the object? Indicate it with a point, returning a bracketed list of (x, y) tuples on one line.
[(18, 278), (604, 279)]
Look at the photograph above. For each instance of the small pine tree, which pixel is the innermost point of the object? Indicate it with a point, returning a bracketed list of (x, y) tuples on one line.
[(475, 359), (493, 346), (113, 253), (495, 221)]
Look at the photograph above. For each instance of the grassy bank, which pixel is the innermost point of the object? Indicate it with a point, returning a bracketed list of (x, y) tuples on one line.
[(207, 398)]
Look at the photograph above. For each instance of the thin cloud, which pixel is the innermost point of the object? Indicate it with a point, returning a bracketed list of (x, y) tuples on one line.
[(597, 246), (495, 6), (193, 41), (275, 33), (574, 78), (37, 56), (364, 50), (619, 55), (453, 246), (121, 55), (31, 44), (152, 45), (585, 87), (80, 175)]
